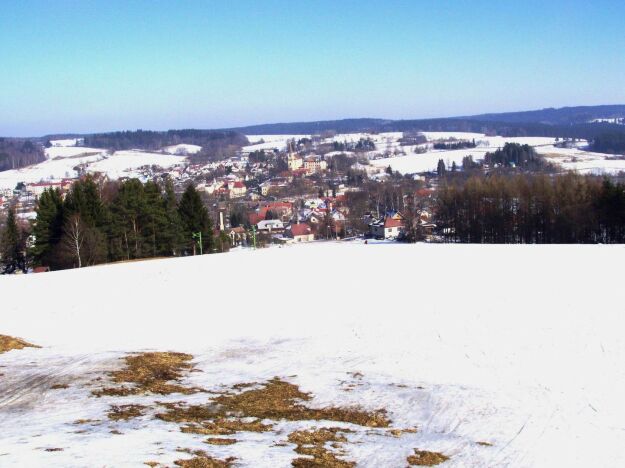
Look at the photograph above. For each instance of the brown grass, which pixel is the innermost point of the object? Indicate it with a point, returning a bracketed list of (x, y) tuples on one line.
[(156, 372), (125, 412), (425, 458), (485, 444), (312, 444), (203, 461), (220, 441), (7, 343), (278, 399)]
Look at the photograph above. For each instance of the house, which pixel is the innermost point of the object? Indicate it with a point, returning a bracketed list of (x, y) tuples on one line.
[(237, 189), (314, 164), (390, 226), (237, 235), (270, 225), (300, 232)]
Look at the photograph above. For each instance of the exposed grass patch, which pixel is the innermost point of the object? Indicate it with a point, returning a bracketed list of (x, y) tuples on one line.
[(125, 412), (425, 458), (202, 460), (7, 343), (220, 441), (278, 399), (155, 372), (312, 444)]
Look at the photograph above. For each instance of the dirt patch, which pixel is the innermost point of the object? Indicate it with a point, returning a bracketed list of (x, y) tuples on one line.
[(278, 399), (59, 386), (125, 412), (425, 458), (156, 372), (312, 444), (485, 444), (204, 462), (220, 441), (7, 343)]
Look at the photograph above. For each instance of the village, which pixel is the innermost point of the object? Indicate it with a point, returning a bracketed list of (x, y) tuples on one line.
[(287, 190)]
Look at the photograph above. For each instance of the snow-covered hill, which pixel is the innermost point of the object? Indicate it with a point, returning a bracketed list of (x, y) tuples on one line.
[(496, 355)]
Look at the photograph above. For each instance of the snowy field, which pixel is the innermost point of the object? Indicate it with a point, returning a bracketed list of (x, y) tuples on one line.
[(507, 356), (125, 163)]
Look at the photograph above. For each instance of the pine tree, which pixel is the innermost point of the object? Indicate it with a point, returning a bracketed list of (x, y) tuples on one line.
[(440, 169), (12, 246), (127, 214), (172, 231), (48, 229), (195, 219)]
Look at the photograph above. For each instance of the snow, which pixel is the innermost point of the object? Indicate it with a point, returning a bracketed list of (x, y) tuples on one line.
[(445, 342), (56, 152), (583, 161), (67, 142), (49, 170), (182, 149), (414, 162), (126, 163), (270, 142)]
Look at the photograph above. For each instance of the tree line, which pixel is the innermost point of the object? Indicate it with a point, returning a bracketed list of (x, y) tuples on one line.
[(15, 153), (98, 223), (532, 208)]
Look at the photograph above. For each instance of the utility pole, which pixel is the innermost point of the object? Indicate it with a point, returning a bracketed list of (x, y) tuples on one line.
[(198, 235)]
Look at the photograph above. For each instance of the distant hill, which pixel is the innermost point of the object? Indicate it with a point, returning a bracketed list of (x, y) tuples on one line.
[(561, 116), (572, 122)]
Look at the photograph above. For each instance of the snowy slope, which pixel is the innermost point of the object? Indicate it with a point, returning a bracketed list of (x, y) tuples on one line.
[(124, 163), (518, 346)]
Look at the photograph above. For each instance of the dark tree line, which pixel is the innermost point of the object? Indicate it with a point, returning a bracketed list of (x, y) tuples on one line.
[(613, 143), (209, 140), (528, 208), (118, 221), (454, 145), (16, 153), (514, 154)]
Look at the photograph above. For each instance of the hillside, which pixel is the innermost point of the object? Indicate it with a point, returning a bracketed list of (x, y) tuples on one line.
[(455, 358)]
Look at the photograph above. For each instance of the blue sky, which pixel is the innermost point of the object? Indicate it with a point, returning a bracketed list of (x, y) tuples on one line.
[(82, 66)]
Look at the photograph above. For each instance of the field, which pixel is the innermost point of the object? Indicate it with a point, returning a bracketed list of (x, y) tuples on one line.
[(404, 353)]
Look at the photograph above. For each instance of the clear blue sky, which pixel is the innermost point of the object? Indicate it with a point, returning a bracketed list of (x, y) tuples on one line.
[(82, 66)]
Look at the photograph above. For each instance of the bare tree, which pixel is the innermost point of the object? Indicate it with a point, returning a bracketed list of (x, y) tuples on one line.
[(75, 235)]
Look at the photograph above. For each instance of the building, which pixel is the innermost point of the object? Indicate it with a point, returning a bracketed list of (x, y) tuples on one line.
[(390, 226), (300, 232), (314, 164), (238, 236), (294, 161), (270, 225)]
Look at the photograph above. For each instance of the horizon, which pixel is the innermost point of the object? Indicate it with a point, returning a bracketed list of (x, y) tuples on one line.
[(103, 66), (450, 117)]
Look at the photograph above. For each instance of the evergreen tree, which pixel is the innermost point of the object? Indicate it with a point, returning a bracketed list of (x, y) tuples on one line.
[(172, 231), (440, 169), (48, 229), (12, 246), (127, 211), (195, 219)]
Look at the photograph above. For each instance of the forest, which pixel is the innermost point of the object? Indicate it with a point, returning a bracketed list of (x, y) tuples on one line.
[(613, 143), (216, 144), (531, 208), (115, 221), (16, 153)]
